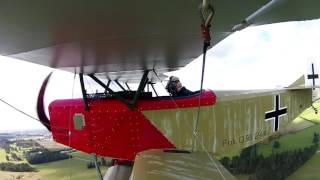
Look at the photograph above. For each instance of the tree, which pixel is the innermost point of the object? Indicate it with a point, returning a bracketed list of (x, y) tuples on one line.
[(225, 161), (275, 145), (45, 156), (315, 139), (13, 167), (103, 162)]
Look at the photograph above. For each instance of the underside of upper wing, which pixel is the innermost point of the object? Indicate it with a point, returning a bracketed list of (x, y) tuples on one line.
[(110, 36)]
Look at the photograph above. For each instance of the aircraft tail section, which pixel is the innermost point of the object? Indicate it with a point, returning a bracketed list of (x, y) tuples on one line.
[(309, 81), (312, 81), (299, 82), (312, 76)]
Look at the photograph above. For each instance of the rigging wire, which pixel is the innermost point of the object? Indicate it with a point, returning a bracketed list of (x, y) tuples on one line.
[(207, 12), (195, 131), (19, 110), (213, 162), (36, 119), (69, 132), (171, 98)]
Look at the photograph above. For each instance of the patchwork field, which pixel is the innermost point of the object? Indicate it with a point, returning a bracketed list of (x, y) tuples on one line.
[(73, 168), (68, 169), (51, 145)]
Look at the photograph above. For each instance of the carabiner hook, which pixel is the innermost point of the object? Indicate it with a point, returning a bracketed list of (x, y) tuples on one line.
[(207, 12)]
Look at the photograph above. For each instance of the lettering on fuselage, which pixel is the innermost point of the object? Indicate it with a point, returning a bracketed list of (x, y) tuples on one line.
[(245, 138)]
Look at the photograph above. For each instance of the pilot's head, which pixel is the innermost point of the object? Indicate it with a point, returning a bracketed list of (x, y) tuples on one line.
[(174, 85)]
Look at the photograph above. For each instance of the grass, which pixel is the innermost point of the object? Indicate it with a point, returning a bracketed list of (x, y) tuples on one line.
[(242, 177), (68, 169), (294, 141), (291, 141), (298, 139), (3, 155), (75, 168), (19, 175), (302, 136), (310, 170)]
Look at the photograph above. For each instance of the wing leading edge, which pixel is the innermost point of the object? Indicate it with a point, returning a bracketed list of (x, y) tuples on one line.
[(162, 164)]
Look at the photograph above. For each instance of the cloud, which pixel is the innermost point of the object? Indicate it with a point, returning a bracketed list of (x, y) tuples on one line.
[(260, 57)]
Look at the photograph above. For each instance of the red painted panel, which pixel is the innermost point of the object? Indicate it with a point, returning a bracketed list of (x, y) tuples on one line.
[(111, 128)]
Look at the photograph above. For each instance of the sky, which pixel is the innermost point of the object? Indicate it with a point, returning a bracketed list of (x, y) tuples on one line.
[(262, 57)]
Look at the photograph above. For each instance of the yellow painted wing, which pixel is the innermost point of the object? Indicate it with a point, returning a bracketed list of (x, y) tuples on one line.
[(173, 165)]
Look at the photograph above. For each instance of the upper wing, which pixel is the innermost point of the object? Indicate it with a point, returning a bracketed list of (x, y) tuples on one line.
[(111, 36)]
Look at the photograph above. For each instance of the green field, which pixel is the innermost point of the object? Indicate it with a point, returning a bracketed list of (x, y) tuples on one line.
[(296, 140), (300, 139), (68, 169), (3, 155), (310, 170), (74, 168)]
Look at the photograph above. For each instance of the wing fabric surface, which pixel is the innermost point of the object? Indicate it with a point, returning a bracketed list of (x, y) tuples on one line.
[(111, 36), (158, 165)]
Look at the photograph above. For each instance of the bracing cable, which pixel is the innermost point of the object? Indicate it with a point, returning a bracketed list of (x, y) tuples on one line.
[(19, 110), (191, 128), (69, 133), (195, 131), (205, 27)]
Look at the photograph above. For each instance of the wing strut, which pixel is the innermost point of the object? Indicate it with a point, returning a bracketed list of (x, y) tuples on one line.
[(95, 160), (154, 89), (117, 82), (131, 104), (84, 93)]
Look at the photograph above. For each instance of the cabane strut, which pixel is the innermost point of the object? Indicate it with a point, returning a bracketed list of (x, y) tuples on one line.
[(130, 103)]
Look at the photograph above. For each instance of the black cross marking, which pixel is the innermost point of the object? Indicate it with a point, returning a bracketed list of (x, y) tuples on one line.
[(313, 76), (276, 113)]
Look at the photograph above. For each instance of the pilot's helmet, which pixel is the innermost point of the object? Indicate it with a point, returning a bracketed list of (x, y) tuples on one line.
[(174, 79), (172, 85)]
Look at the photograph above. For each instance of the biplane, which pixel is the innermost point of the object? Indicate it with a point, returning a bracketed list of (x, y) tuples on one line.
[(151, 136)]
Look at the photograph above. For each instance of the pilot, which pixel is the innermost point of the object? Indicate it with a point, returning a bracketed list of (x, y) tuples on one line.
[(175, 88)]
